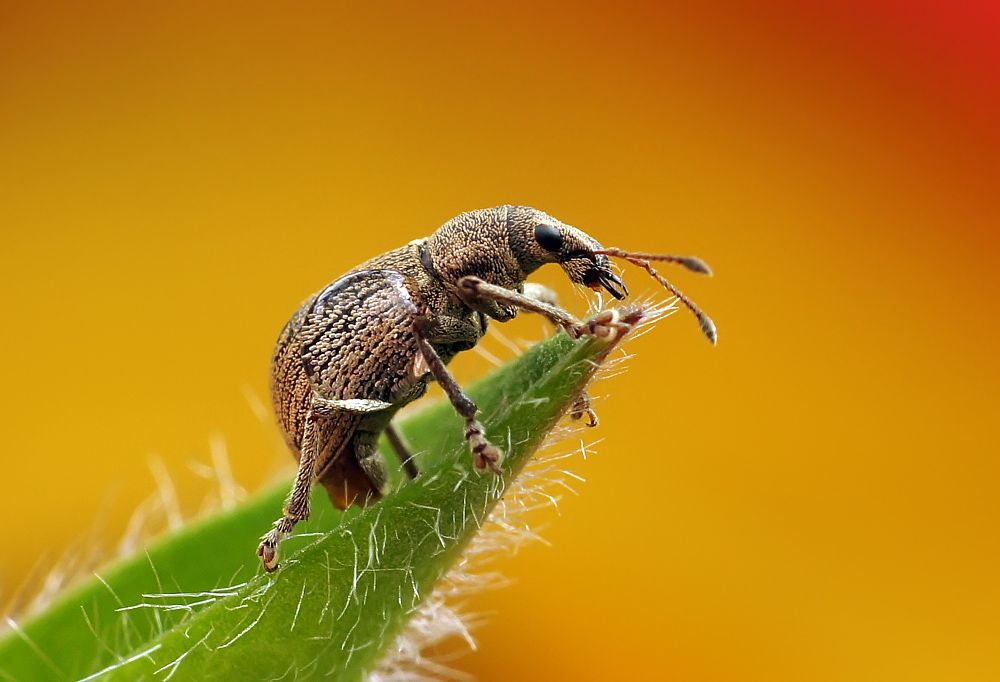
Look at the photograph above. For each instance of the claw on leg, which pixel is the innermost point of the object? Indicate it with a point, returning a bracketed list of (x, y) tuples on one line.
[(485, 455), (607, 324), (582, 407), (268, 548)]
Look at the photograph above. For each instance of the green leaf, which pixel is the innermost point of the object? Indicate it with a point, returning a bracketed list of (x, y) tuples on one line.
[(197, 606)]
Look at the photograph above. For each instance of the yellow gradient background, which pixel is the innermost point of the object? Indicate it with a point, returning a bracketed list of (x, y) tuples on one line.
[(814, 499)]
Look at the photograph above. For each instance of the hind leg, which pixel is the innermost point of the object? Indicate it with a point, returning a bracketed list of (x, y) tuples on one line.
[(298, 502), (371, 461)]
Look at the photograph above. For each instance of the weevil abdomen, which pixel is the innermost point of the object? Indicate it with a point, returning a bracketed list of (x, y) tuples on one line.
[(352, 341)]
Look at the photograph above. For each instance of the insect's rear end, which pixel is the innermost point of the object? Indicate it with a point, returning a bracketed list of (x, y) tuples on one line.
[(351, 341)]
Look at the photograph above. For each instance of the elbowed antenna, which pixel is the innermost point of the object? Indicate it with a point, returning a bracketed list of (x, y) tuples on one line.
[(691, 263)]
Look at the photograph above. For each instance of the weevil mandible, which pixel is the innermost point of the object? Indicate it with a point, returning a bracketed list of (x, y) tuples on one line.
[(370, 342)]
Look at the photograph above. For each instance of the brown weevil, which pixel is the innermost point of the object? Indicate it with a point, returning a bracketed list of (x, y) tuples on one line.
[(370, 342)]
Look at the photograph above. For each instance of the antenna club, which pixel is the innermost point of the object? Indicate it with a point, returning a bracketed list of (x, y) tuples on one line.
[(695, 265), (708, 327)]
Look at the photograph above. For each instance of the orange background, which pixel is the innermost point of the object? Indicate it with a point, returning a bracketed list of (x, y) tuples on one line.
[(815, 499)]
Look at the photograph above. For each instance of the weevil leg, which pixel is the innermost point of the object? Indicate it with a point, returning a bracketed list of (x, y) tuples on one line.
[(298, 502), (606, 323), (542, 300), (473, 288), (581, 406), (402, 450), (485, 454), (370, 460)]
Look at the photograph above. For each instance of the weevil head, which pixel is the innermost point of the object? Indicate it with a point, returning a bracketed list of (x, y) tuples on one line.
[(505, 244), (537, 238)]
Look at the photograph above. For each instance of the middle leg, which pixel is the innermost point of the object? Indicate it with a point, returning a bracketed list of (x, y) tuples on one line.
[(485, 454)]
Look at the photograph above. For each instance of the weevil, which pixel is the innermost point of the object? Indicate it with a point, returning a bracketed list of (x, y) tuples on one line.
[(370, 343)]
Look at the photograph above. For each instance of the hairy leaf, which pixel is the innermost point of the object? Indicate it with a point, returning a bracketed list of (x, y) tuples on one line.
[(197, 606)]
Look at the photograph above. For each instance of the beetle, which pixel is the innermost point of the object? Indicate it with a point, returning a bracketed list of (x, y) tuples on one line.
[(370, 343)]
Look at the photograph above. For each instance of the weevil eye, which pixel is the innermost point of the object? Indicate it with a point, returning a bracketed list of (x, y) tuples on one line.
[(548, 237)]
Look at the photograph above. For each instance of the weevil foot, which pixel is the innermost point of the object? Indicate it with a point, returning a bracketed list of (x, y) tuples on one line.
[(268, 553), (582, 407), (268, 548), (488, 458), (485, 455), (607, 324)]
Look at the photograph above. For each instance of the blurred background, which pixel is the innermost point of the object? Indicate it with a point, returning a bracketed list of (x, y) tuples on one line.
[(814, 499)]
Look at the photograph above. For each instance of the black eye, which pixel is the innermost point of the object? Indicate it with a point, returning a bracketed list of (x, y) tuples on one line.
[(548, 237)]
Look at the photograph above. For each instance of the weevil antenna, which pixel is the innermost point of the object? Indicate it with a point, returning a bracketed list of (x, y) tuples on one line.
[(690, 262)]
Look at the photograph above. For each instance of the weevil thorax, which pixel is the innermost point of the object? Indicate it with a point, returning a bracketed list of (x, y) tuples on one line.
[(505, 244), (477, 243)]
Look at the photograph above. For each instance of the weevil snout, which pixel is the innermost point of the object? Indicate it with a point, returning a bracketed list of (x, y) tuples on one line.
[(601, 276), (581, 258), (593, 270)]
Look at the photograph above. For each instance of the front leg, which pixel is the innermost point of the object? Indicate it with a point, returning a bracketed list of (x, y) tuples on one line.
[(541, 293), (604, 324), (474, 291), (581, 406), (542, 300)]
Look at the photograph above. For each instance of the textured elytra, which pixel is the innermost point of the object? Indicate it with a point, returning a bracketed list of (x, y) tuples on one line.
[(351, 341)]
